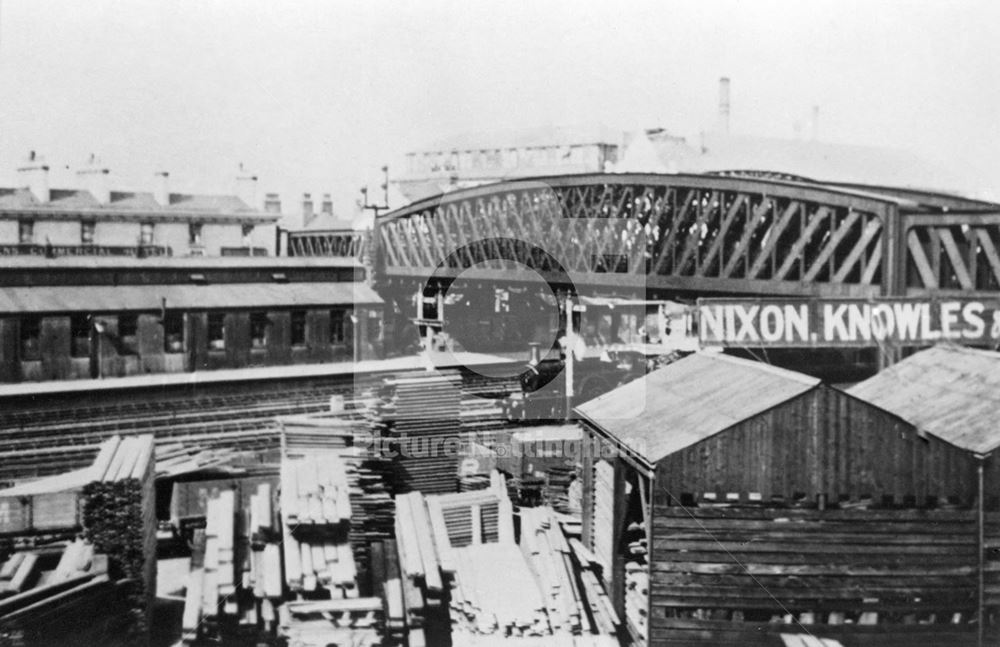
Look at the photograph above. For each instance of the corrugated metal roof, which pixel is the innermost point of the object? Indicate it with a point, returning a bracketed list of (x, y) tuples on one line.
[(948, 391), (92, 298), (686, 402)]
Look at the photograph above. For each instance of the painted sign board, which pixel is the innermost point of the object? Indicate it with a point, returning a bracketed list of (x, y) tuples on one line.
[(792, 323)]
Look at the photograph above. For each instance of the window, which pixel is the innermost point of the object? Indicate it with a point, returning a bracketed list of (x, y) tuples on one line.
[(216, 331), (26, 232), (146, 233), (173, 332), (87, 232), (128, 327), (337, 328), (79, 325), (194, 233), (247, 234), (30, 334), (258, 329), (298, 328)]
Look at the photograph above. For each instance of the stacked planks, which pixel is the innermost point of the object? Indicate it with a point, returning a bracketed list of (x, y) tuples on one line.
[(421, 414), (235, 579), (348, 436), (637, 578), (320, 623), (119, 519), (450, 549), (53, 598), (316, 517), (420, 582)]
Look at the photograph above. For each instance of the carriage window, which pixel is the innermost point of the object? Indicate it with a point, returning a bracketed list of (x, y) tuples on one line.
[(79, 335), (258, 329), (216, 331), (173, 332), (30, 334), (298, 328), (128, 326)]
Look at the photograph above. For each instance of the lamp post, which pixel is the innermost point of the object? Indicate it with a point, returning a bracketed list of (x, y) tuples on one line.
[(385, 194)]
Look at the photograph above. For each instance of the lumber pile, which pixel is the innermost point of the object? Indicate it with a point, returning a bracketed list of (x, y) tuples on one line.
[(319, 623), (61, 595), (235, 581), (460, 551), (421, 415), (175, 459), (637, 578), (119, 520), (316, 518), (347, 435)]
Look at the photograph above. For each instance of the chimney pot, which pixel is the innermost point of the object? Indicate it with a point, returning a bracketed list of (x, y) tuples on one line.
[(161, 190), (246, 187), (327, 205), (35, 177), (307, 209), (94, 178), (272, 203)]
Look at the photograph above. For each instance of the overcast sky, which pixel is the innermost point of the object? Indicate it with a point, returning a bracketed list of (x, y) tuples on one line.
[(316, 96)]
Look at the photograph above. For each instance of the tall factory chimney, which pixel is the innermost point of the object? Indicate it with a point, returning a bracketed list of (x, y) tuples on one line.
[(724, 105)]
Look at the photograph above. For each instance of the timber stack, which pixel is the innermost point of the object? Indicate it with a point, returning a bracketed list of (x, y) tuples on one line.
[(119, 519), (316, 517), (459, 552), (61, 594), (421, 417)]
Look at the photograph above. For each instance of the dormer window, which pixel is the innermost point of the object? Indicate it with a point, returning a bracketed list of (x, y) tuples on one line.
[(87, 228), (194, 234), (146, 233), (26, 232)]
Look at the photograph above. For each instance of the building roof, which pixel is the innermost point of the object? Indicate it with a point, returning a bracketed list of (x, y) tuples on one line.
[(81, 202), (30, 261), (817, 160), (950, 392), (539, 136), (106, 298), (690, 400)]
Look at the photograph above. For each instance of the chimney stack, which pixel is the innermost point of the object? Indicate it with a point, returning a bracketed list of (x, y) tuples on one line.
[(307, 209), (246, 187), (94, 178), (272, 203), (815, 123), (34, 174), (724, 105), (161, 188), (327, 205)]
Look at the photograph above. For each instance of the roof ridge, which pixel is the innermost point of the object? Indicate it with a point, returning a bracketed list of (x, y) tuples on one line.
[(763, 366)]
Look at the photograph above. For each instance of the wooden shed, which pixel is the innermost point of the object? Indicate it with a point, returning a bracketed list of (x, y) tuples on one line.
[(730, 501)]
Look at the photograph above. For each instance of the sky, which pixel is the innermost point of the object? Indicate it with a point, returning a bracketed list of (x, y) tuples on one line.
[(317, 96)]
